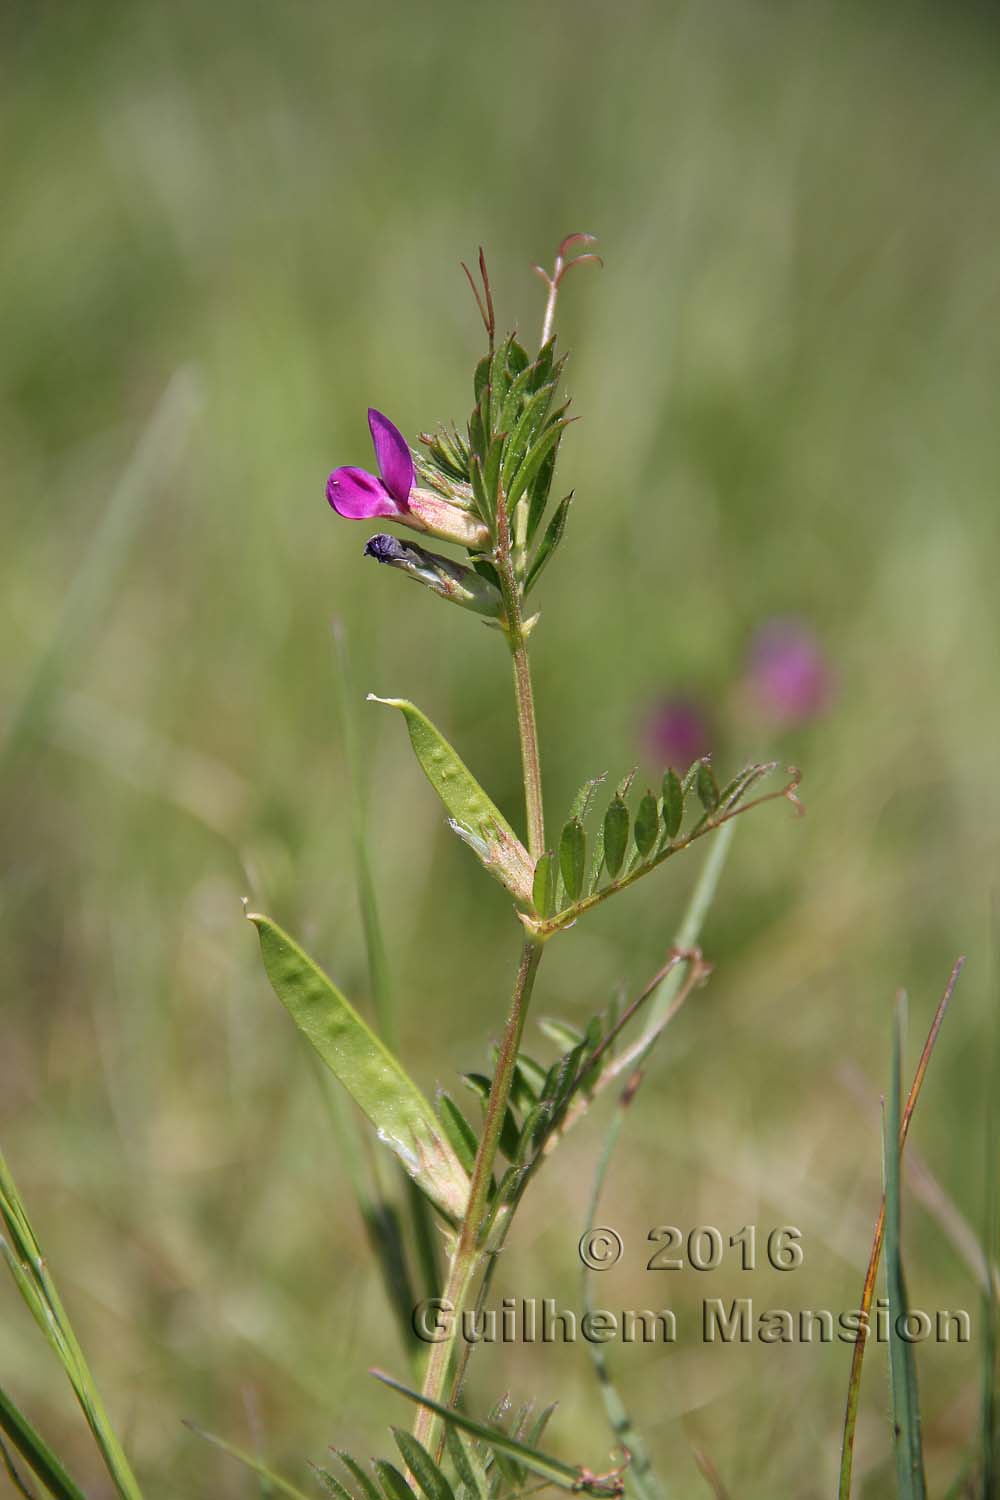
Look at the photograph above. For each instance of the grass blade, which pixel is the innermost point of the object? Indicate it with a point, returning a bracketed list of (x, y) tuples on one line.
[(36, 1452), (250, 1462), (26, 1262), (910, 1482), (868, 1290)]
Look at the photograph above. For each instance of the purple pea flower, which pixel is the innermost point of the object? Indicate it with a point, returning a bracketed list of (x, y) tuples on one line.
[(678, 732), (788, 675), (361, 496), (391, 493)]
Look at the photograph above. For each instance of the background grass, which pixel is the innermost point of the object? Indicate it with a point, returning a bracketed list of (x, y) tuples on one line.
[(787, 374)]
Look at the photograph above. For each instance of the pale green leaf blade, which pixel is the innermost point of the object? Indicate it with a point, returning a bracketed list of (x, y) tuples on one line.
[(470, 808), (374, 1078)]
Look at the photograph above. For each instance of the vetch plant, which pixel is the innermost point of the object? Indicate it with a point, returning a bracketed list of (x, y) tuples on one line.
[(488, 489)]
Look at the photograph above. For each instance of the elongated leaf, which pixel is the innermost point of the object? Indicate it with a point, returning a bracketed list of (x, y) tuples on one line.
[(525, 429), (910, 1482), (551, 1469), (554, 533), (458, 1130), (249, 1461), (375, 1079), (561, 1032), (491, 474), (423, 1468), (509, 1134), (394, 1486), (673, 803), (538, 492), (36, 1452), (480, 495), (517, 356), (533, 1072), (519, 392), (535, 458), (361, 1479), (471, 809), (647, 824), (331, 1483), (616, 824), (543, 888), (573, 857), (466, 1461)]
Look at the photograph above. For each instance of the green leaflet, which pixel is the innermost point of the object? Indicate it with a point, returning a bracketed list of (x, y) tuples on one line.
[(647, 824), (573, 857), (423, 1468), (474, 816), (543, 890), (616, 826), (371, 1074), (673, 803)]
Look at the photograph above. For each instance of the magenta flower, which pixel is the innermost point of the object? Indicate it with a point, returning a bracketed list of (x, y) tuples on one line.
[(677, 733), (360, 496), (788, 674)]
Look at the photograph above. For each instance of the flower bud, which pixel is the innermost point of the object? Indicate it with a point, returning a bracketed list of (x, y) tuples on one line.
[(450, 579)]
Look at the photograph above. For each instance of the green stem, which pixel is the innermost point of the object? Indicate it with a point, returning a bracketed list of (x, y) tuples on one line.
[(528, 731), (469, 1251), (524, 698)]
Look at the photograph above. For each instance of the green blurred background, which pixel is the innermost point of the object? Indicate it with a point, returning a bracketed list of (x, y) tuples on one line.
[(787, 377)]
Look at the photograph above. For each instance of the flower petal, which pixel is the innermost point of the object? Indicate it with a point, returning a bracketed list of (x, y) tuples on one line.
[(393, 456), (358, 495)]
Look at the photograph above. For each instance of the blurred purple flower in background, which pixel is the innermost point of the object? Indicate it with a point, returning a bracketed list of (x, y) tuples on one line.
[(788, 675), (677, 732)]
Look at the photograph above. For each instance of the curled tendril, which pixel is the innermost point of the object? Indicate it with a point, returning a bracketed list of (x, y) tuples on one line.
[(563, 263)]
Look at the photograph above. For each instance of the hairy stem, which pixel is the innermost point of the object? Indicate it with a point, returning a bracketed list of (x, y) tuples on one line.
[(469, 1250)]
